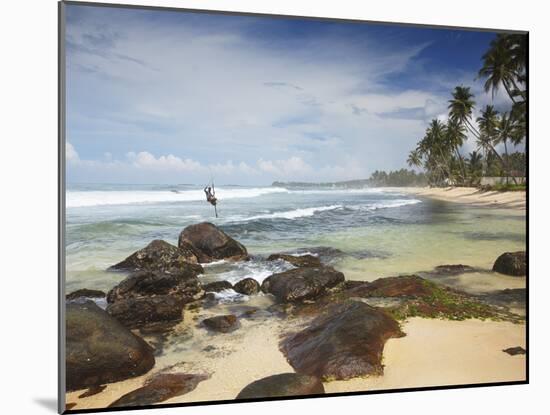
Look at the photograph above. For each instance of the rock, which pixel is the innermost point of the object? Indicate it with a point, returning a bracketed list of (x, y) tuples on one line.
[(217, 286), (223, 324), (211, 243), (284, 384), (344, 343), (300, 284), (512, 351), (297, 260), (136, 312), (511, 263), (101, 350), (454, 269), (159, 255), (160, 388), (402, 286), (85, 293), (183, 284), (248, 286)]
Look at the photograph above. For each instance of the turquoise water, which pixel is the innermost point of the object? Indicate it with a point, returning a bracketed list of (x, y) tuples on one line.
[(382, 232)]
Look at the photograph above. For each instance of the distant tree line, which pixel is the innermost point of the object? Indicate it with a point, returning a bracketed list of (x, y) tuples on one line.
[(397, 178), (438, 152)]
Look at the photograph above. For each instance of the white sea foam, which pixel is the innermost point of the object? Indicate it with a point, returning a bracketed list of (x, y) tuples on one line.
[(386, 204), (230, 296), (126, 197), (295, 213)]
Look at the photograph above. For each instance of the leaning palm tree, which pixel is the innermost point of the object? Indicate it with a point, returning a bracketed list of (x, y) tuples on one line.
[(503, 64), (415, 158), (489, 123)]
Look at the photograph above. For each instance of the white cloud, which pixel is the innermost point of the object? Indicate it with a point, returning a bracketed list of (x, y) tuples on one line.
[(71, 156)]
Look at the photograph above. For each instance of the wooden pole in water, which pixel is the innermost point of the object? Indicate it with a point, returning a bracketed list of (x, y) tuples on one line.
[(216, 210)]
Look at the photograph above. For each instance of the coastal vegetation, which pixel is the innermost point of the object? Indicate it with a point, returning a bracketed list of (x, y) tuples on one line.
[(494, 130)]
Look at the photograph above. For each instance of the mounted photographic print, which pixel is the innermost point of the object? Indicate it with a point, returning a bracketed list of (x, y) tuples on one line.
[(258, 207)]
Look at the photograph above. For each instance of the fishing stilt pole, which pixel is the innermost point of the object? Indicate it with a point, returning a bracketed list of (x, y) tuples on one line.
[(216, 210)]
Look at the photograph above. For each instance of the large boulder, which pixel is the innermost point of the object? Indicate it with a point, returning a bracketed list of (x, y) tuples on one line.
[(345, 342), (137, 312), (248, 286), (148, 297), (184, 285), (284, 384), (159, 255), (512, 263), (101, 350), (300, 284), (297, 260), (211, 243), (159, 388)]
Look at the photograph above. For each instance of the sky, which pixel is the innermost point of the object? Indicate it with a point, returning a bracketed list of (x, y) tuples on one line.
[(157, 96)]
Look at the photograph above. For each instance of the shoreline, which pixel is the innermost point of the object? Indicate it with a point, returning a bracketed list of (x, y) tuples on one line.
[(471, 196)]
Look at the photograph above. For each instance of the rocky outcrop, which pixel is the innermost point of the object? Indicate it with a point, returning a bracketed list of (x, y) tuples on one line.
[(402, 286), (513, 351), (148, 283), (161, 256), (148, 297), (345, 342), (85, 293), (159, 388), (217, 286), (453, 269), (300, 284), (211, 243), (512, 263), (222, 324), (284, 384), (100, 349), (248, 286), (137, 312), (297, 260)]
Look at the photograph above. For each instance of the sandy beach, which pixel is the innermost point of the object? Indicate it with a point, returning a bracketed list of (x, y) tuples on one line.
[(433, 353), (473, 196)]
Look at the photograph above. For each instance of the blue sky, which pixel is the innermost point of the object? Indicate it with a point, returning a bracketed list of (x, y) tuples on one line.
[(173, 97)]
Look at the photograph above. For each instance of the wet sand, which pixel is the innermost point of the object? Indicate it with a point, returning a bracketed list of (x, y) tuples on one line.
[(471, 195)]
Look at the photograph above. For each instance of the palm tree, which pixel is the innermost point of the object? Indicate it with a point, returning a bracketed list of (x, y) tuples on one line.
[(507, 130), (414, 159), (461, 107), (456, 135), (475, 164), (503, 65), (488, 132)]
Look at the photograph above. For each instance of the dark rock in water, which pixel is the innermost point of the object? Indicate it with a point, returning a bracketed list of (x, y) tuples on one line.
[(297, 260), (248, 286), (222, 324), (85, 293), (69, 406), (136, 312), (512, 351), (344, 343), (302, 284), (100, 349), (453, 269), (211, 243), (160, 256), (507, 297), (511, 263), (284, 384), (326, 254), (182, 284), (94, 390), (217, 286), (160, 388)]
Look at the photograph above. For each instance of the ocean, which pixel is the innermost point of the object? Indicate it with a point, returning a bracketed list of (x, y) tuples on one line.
[(378, 232)]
